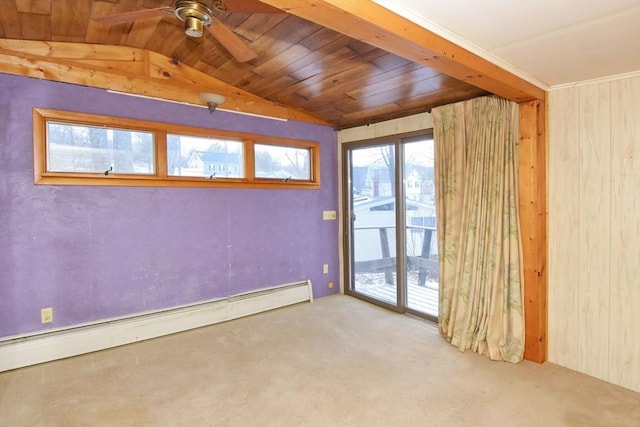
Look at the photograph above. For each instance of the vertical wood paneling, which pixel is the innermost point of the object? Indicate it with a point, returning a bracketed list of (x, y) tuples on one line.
[(624, 327), (595, 229), (564, 230)]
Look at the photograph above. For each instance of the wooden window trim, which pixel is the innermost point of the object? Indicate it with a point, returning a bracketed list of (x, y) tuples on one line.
[(314, 160), (161, 177)]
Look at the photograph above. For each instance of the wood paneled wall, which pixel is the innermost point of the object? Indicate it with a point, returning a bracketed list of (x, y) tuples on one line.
[(594, 229)]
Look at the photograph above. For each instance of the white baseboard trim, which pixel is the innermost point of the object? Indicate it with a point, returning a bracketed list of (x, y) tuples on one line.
[(20, 351)]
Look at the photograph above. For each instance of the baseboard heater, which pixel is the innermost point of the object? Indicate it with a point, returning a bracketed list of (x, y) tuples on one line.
[(31, 349)]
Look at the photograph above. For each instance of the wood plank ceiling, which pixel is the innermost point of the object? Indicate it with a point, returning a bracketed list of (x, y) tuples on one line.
[(299, 64)]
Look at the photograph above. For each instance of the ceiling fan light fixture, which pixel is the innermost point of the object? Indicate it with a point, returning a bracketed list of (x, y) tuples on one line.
[(193, 27), (212, 100), (198, 19), (195, 15)]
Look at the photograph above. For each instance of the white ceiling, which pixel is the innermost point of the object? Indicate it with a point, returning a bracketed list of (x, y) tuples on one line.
[(548, 42)]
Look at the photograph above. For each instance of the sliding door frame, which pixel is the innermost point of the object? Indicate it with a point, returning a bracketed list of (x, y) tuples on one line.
[(400, 216)]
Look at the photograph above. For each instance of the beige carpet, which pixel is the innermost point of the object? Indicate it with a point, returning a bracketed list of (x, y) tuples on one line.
[(336, 362)]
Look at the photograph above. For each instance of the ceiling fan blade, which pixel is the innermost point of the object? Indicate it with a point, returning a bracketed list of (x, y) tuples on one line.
[(250, 6), (236, 47), (119, 18)]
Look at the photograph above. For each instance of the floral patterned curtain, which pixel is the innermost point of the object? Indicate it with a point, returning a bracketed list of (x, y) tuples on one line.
[(481, 281)]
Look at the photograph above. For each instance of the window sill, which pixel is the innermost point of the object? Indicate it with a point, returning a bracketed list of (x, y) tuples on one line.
[(154, 181)]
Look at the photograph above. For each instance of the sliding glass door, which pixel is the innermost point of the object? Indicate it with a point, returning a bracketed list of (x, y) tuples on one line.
[(373, 223), (420, 245), (390, 235)]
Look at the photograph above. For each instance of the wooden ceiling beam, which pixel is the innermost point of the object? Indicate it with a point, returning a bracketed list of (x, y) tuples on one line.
[(134, 71), (371, 23)]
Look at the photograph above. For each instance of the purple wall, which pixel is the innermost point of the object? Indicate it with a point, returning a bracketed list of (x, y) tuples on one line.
[(98, 252)]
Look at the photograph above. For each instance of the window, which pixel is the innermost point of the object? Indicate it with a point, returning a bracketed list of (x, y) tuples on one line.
[(273, 161), (204, 157), (83, 149)]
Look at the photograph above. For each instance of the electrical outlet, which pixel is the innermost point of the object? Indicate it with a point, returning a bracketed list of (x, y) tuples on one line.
[(330, 285), (325, 269), (46, 315)]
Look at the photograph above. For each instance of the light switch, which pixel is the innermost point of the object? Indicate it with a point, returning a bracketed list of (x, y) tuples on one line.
[(328, 215)]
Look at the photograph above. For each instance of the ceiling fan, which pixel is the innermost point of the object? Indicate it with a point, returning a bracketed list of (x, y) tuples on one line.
[(198, 17)]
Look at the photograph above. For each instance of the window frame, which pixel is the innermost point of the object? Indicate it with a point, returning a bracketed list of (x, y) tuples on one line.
[(161, 178), (286, 179)]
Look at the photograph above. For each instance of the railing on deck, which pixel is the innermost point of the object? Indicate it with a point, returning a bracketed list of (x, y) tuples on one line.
[(388, 263)]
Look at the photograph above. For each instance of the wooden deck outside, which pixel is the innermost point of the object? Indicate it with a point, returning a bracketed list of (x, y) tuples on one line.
[(420, 298)]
